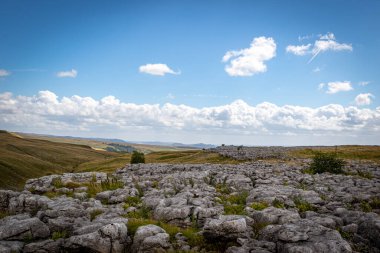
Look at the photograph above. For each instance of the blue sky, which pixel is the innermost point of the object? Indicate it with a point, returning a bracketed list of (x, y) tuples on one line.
[(94, 49)]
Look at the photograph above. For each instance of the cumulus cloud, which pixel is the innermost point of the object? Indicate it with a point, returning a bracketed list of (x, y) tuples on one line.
[(250, 61), (71, 73), (335, 87), (364, 99), (326, 42), (47, 112), (4, 73), (157, 69)]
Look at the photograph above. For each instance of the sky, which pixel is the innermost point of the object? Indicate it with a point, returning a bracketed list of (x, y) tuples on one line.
[(218, 71)]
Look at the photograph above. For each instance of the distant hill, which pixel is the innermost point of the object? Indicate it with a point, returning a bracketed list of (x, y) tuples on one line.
[(23, 158)]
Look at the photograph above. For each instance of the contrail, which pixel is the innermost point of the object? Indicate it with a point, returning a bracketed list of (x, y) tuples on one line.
[(315, 55)]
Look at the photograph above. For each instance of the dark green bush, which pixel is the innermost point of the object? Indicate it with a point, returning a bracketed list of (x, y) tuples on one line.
[(327, 162), (137, 157)]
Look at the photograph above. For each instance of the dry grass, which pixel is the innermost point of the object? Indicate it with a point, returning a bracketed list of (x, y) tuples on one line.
[(355, 152)]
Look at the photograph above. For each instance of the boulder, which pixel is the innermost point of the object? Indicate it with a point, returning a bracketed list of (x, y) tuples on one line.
[(22, 227), (150, 238), (111, 238), (226, 227)]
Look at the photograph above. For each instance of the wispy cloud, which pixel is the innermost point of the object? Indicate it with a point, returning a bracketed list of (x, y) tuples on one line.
[(4, 73), (317, 69), (335, 87), (326, 42), (298, 50), (71, 73), (364, 99), (250, 61), (364, 83), (157, 69)]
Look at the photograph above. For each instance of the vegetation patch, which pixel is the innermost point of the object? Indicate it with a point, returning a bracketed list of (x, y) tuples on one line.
[(110, 184), (95, 213), (365, 174), (327, 162), (259, 205), (234, 204), (137, 157), (278, 204), (302, 205), (57, 182), (141, 213), (257, 227), (3, 214), (59, 234)]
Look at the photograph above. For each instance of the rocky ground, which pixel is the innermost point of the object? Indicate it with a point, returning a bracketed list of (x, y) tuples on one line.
[(252, 207)]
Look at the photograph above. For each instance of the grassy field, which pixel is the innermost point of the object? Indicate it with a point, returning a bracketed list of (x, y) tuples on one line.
[(190, 156), (356, 152)]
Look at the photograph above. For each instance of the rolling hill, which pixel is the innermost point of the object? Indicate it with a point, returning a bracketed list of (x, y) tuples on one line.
[(23, 158)]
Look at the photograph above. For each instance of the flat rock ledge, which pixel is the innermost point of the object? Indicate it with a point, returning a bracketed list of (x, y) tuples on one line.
[(251, 207)]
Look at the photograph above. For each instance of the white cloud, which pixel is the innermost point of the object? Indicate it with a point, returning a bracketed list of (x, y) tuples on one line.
[(157, 69), (364, 99), (334, 87), (317, 69), (298, 50), (4, 73), (47, 113), (326, 42), (250, 61), (71, 73), (364, 83)]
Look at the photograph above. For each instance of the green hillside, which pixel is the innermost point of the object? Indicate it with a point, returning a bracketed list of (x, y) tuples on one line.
[(22, 158)]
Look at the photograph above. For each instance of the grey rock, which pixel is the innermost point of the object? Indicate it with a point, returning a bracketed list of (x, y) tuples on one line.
[(107, 239), (228, 227), (150, 238), (47, 246), (20, 227), (11, 246)]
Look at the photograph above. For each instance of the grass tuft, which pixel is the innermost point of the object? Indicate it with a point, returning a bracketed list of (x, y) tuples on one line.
[(259, 205)]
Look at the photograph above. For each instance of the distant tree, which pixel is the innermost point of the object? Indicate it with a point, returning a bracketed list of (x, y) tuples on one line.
[(137, 157)]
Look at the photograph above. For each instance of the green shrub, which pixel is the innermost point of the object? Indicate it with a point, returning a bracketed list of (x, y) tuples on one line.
[(141, 213), (259, 205), (94, 188), (365, 206), (58, 234), (327, 162), (303, 205), (137, 157), (234, 209), (278, 203), (72, 185), (132, 201), (57, 182), (239, 199)]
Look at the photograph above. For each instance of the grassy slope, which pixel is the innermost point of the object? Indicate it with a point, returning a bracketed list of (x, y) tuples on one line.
[(22, 158), (346, 152), (190, 156)]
